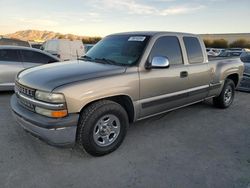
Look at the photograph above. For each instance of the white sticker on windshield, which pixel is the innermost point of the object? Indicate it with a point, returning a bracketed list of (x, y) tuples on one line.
[(137, 38)]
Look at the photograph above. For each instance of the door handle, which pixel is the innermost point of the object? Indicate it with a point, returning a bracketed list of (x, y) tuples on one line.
[(184, 74)]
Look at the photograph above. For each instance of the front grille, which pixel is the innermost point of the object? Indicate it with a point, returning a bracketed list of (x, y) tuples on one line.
[(24, 90), (26, 104)]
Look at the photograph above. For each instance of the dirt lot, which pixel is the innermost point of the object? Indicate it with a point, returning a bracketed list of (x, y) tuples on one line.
[(197, 147)]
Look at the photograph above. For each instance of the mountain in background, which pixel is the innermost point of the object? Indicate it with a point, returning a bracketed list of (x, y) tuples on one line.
[(41, 36)]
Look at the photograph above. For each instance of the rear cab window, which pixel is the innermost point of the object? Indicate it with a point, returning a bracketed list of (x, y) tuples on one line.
[(168, 46), (193, 49), (9, 55)]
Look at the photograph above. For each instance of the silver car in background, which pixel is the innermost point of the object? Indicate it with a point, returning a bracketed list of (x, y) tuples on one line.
[(16, 58), (13, 42), (245, 82)]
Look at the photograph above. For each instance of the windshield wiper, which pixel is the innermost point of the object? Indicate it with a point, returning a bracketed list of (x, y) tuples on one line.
[(107, 61), (85, 57), (101, 60)]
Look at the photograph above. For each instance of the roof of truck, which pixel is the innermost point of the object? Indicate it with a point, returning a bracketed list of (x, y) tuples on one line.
[(152, 33)]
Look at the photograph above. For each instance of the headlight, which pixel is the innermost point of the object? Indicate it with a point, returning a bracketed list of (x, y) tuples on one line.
[(51, 113), (50, 97)]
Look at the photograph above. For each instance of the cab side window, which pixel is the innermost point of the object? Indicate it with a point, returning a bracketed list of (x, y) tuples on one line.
[(194, 51), (9, 55), (167, 46)]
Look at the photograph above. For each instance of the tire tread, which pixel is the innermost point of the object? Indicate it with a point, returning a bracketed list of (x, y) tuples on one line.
[(86, 114)]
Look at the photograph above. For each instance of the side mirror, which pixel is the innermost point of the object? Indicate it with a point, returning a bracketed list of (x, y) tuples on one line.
[(159, 62)]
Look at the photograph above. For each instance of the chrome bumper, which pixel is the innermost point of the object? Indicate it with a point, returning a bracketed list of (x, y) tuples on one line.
[(60, 131)]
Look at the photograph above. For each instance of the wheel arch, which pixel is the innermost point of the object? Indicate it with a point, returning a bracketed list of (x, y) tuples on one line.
[(124, 100), (234, 77)]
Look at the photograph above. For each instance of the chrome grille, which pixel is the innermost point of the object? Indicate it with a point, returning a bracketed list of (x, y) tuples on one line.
[(24, 90), (26, 104)]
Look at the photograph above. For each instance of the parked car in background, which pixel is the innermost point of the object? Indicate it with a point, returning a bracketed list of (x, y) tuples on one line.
[(214, 52), (125, 77), (210, 52), (234, 51), (13, 42), (226, 53), (64, 49), (237, 51), (87, 47), (14, 59), (245, 82), (36, 45)]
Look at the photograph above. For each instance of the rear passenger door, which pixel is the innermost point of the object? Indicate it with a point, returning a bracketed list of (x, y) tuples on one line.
[(199, 72), (32, 58), (165, 88), (10, 65)]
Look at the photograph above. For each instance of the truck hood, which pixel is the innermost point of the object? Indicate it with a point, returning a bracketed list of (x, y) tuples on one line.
[(48, 77)]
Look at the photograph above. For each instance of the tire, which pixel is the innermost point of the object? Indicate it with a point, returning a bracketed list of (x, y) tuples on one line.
[(102, 127), (226, 97)]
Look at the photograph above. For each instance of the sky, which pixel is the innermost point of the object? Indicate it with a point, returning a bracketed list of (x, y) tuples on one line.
[(103, 17)]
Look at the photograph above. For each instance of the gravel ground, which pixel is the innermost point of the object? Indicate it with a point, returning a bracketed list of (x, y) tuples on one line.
[(195, 147)]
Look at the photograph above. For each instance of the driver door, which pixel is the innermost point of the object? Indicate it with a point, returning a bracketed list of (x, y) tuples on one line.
[(162, 89)]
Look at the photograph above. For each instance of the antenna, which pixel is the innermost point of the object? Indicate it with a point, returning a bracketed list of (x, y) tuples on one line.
[(77, 56)]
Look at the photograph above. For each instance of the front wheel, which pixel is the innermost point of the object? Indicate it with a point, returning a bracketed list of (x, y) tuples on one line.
[(226, 97), (102, 127)]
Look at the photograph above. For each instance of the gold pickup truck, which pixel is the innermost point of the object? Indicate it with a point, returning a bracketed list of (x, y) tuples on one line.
[(124, 78)]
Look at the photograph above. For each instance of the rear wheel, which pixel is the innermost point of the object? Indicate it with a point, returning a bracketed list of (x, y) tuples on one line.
[(226, 97), (102, 127)]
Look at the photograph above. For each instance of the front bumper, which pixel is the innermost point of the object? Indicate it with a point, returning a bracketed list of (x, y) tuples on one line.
[(244, 84), (61, 131)]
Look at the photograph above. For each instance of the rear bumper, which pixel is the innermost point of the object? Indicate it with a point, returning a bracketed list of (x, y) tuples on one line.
[(59, 132)]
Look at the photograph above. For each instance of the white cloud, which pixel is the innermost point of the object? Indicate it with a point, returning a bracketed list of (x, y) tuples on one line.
[(129, 5), (134, 7), (180, 10)]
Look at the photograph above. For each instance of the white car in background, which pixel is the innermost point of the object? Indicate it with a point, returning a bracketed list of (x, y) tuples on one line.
[(88, 47), (64, 49), (214, 52)]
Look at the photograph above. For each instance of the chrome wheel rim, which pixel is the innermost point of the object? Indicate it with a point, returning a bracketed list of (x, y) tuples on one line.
[(228, 95), (106, 130)]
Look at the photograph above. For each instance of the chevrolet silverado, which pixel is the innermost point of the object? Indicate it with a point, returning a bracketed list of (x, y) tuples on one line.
[(124, 78)]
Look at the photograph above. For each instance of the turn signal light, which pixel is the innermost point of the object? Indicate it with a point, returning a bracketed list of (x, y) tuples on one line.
[(51, 113), (59, 114)]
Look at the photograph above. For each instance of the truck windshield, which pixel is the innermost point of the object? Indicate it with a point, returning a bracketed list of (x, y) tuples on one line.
[(118, 49)]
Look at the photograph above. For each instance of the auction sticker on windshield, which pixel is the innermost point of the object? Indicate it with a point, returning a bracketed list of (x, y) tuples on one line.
[(137, 38)]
